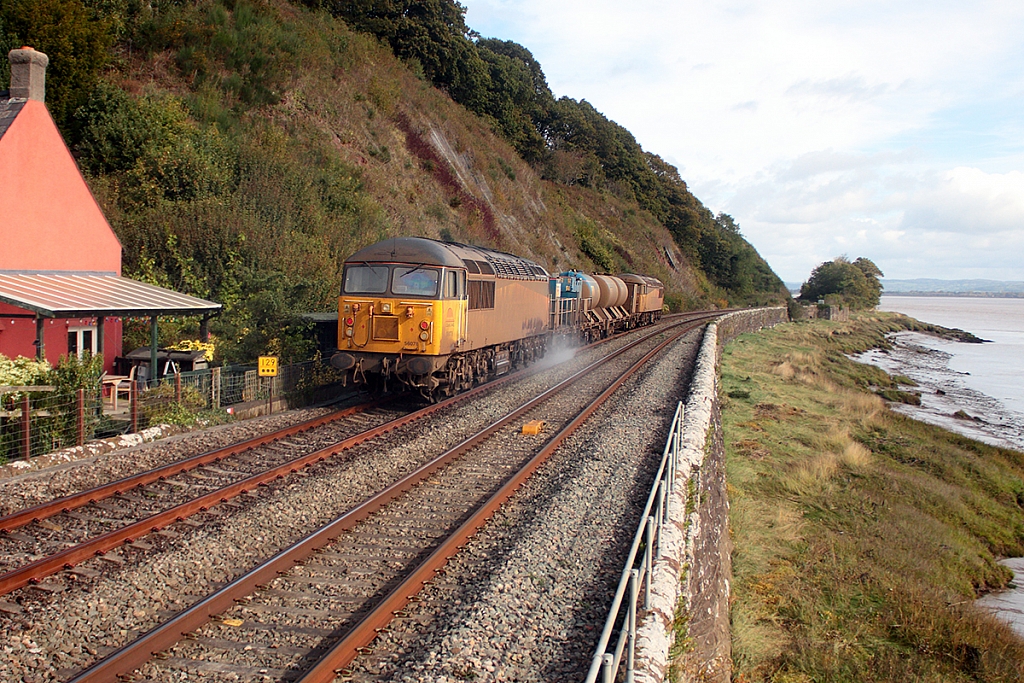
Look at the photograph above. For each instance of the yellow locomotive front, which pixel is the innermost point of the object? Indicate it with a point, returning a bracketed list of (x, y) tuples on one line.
[(401, 312)]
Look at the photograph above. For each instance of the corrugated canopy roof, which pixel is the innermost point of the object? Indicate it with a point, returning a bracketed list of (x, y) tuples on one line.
[(68, 295)]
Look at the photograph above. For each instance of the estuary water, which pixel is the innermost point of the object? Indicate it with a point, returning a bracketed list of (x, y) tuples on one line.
[(984, 381)]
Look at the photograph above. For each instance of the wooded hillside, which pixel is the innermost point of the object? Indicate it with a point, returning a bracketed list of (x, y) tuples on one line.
[(242, 150)]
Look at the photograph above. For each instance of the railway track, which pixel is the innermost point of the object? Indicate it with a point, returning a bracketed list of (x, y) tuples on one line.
[(59, 535), (328, 594)]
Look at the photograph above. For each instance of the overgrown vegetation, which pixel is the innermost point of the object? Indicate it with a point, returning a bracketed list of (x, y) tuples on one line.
[(242, 150), (160, 405), (841, 281), (861, 536), (57, 423)]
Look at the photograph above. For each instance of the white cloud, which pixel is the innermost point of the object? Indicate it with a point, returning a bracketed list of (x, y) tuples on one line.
[(890, 129), (969, 201)]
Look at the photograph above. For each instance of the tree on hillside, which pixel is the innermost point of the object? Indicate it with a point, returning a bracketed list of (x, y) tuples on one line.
[(430, 34), (72, 34), (517, 97), (852, 283)]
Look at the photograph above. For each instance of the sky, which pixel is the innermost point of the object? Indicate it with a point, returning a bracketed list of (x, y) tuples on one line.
[(890, 130)]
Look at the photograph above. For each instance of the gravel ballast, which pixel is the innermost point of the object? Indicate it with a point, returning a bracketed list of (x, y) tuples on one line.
[(527, 599), (51, 635)]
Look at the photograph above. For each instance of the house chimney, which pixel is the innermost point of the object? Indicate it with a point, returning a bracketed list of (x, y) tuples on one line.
[(28, 74)]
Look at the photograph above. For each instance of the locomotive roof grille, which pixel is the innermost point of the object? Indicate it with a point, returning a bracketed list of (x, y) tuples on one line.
[(517, 269)]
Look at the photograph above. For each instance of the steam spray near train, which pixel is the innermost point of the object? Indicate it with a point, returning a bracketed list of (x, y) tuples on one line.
[(438, 317)]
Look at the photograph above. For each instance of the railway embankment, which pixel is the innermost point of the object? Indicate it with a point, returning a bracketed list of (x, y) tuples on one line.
[(687, 628)]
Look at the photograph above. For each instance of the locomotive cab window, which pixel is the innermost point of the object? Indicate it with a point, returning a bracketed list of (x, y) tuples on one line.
[(366, 279), (451, 284), (415, 281)]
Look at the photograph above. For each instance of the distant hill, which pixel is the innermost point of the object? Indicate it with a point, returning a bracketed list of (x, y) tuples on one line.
[(953, 287)]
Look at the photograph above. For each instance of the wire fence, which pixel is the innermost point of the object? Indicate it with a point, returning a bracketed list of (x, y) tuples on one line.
[(39, 419), (36, 420)]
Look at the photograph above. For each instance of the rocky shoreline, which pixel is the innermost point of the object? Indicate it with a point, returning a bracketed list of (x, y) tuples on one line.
[(946, 400)]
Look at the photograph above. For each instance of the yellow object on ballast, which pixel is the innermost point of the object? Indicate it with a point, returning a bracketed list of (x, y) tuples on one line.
[(533, 427)]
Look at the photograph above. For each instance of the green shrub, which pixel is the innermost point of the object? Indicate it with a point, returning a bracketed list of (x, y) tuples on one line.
[(157, 405), (75, 37), (591, 245)]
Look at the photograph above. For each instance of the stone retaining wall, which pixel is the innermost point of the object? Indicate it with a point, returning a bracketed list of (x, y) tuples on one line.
[(690, 589)]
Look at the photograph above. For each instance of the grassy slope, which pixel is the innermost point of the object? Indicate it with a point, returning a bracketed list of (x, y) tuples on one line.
[(348, 104), (861, 537)]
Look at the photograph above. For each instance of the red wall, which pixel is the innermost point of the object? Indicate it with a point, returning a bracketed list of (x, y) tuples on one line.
[(50, 222), (50, 219), (18, 334)]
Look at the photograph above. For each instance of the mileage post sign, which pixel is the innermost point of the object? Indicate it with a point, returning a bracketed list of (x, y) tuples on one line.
[(267, 367)]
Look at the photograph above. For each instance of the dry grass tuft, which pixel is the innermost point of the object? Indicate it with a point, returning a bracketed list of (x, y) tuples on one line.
[(863, 407), (856, 456), (811, 474), (785, 370)]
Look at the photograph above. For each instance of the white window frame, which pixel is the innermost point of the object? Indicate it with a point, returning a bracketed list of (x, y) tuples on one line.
[(78, 330)]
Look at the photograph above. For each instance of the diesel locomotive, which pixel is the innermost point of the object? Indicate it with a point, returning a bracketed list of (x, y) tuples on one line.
[(438, 317)]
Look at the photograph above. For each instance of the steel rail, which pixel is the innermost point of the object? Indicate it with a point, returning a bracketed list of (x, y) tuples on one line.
[(74, 555), (368, 628), (73, 501), (57, 506), (165, 635), (77, 500), (70, 557)]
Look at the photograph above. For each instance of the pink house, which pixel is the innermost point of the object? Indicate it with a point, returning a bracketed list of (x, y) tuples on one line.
[(60, 261)]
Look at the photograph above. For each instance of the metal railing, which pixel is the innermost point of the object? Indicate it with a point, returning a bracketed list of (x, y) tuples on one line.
[(218, 388), (638, 570)]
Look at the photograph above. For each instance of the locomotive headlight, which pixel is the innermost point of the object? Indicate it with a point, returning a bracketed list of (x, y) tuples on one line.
[(385, 308), (348, 332), (423, 336), (424, 325)]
